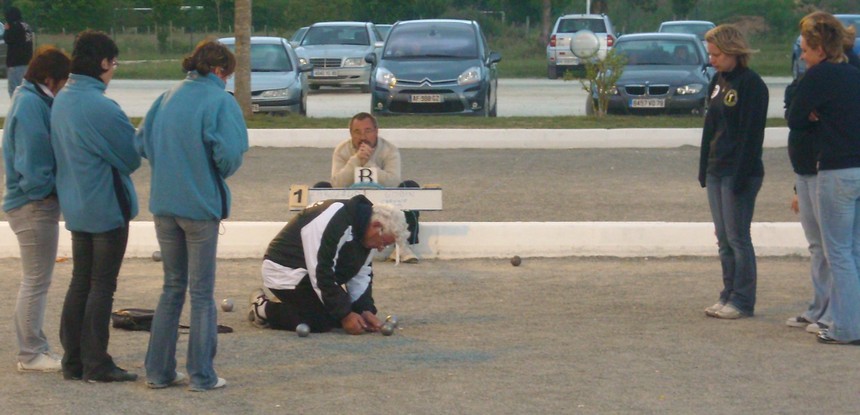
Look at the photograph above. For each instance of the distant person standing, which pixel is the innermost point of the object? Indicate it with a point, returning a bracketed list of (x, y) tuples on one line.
[(730, 165), (19, 47)]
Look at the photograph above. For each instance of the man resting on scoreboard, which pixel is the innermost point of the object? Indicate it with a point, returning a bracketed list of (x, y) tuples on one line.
[(367, 157), (319, 267)]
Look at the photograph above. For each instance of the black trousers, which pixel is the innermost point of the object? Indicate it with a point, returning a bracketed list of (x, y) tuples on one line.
[(411, 215), (297, 306), (85, 320)]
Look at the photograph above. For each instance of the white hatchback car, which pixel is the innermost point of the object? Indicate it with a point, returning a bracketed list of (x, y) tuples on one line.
[(558, 54)]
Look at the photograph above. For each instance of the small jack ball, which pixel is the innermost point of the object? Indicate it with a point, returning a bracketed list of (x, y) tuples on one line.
[(387, 329), (303, 330), (227, 305), (516, 261), (156, 256), (393, 320)]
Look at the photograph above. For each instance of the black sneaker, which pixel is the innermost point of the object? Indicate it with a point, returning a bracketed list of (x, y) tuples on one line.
[(115, 375), (824, 337)]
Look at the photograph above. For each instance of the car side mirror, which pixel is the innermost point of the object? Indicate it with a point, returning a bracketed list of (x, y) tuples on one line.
[(494, 57), (294, 44), (306, 67), (370, 58), (378, 44)]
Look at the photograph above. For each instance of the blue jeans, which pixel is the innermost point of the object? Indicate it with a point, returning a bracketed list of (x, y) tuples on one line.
[(188, 249), (732, 214), (36, 226), (839, 199), (807, 200), (14, 77), (85, 322)]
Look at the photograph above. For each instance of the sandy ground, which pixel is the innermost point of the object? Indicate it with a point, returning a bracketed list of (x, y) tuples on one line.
[(561, 335), (515, 185), (568, 335)]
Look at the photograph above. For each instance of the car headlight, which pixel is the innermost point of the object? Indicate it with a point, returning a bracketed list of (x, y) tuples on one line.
[(689, 89), (384, 77), (276, 93), (469, 76), (303, 60), (353, 62)]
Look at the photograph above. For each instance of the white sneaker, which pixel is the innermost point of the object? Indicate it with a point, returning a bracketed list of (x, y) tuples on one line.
[(218, 385), (42, 363), (729, 312), (815, 328), (177, 380), (712, 310)]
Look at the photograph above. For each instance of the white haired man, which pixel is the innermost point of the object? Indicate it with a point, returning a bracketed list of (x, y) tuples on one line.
[(319, 267)]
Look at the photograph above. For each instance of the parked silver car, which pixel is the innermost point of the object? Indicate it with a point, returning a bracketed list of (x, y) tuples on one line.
[(693, 27), (558, 54), (337, 51), (278, 81)]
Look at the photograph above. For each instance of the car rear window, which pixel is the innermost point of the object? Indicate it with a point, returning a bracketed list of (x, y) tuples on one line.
[(336, 35), (432, 40), (658, 52), (575, 25)]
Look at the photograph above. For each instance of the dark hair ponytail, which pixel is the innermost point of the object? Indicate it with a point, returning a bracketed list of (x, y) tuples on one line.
[(208, 55)]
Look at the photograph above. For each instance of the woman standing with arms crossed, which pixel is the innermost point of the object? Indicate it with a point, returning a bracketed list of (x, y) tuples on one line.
[(828, 99), (730, 165), (194, 137), (93, 143), (30, 201)]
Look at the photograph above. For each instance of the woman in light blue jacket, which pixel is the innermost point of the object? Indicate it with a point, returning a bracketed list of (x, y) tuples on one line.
[(30, 201), (194, 137), (93, 142)]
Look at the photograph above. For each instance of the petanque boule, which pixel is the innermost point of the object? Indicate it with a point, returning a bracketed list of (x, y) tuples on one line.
[(387, 329), (303, 330), (393, 320), (516, 261), (156, 256), (227, 305)]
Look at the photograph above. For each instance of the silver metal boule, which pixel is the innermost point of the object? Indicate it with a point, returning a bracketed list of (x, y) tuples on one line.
[(387, 329), (227, 305), (156, 256), (303, 330)]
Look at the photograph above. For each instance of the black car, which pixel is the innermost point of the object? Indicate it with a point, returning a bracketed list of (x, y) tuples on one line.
[(664, 73), (435, 67)]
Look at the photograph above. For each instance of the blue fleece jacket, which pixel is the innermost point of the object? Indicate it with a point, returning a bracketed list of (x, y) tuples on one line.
[(93, 143), (27, 154), (194, 137)]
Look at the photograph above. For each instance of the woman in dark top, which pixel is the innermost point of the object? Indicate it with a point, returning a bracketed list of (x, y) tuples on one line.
[(730, 165), (828, 101)]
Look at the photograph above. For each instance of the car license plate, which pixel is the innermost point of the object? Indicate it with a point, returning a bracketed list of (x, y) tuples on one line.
[(648, 103), (255, 107), (321, 73), (425, 99)]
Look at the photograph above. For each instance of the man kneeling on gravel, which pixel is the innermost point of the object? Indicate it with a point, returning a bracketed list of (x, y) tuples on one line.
[(319, 267)]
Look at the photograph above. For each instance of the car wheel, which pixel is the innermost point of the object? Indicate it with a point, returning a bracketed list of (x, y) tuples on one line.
[(551, 72)]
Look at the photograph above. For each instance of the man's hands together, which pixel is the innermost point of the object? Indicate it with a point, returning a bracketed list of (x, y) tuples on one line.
[(354, 323)]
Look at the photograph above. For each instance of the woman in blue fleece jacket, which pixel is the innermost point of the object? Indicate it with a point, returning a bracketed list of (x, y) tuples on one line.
[(828, 101), (194, 137), (30, 201), (93, 142)]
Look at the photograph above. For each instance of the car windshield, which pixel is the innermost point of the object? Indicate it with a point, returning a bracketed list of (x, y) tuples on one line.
[(694, 29), (267, 58), (336, 35), (575, 25), (297, 37), (658, 52), (432, 40)]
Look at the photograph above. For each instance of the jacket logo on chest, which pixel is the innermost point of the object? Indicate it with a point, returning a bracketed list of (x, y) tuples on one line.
[(731, 98)]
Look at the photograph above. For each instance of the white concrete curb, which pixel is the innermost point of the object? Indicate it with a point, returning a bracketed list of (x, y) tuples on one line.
[(456, 240)]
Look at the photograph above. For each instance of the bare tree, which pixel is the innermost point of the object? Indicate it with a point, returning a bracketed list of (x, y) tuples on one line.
[(243, 56)]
